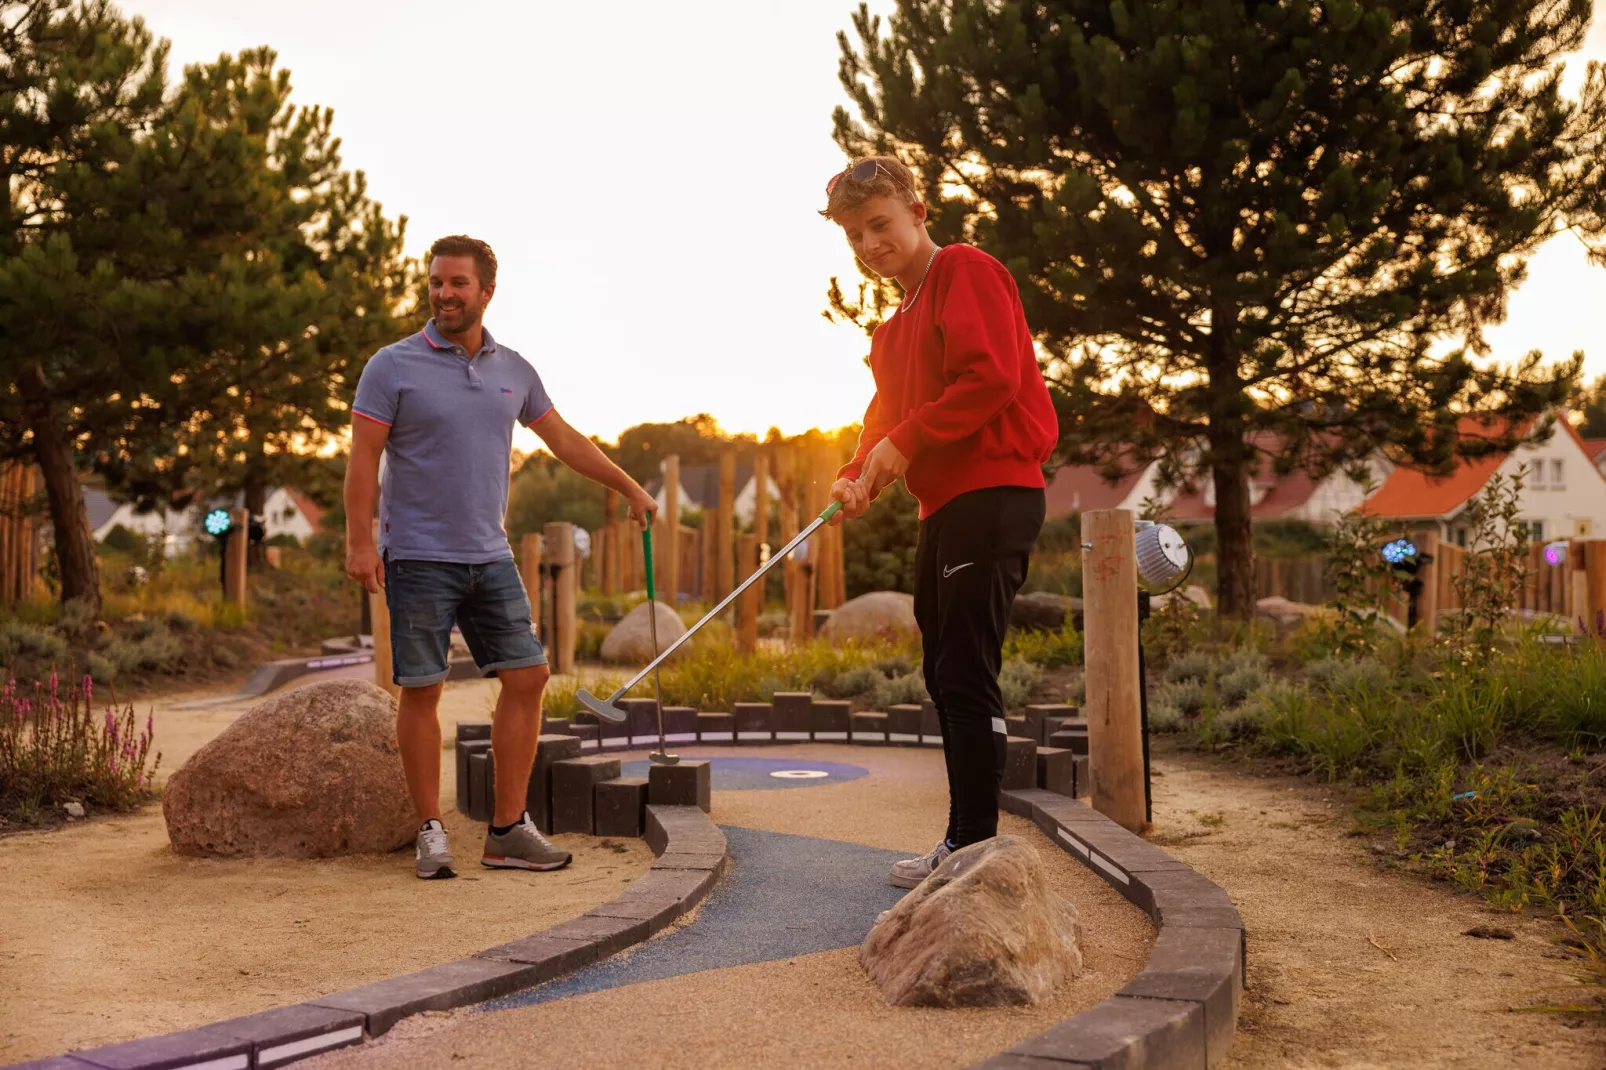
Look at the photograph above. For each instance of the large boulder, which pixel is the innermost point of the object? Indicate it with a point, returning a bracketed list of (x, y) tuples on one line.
[(1285, 613), (1044, 611), (877, 615), (984, 930), (308, 773), (1191, 593), (630, 641)]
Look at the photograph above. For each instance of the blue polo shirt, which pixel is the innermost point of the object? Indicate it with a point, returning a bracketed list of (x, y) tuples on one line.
[(443, 495)]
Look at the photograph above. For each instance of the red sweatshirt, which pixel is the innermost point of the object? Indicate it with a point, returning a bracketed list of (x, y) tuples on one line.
[(958, 389)]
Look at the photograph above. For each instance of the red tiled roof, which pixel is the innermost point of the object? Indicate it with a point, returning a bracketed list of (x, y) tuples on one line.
[(1287, 493), (1407, 493), (308, 507), (1076, 488), (1594, 447)]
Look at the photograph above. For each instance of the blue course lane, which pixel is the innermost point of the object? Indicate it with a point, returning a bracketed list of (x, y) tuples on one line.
[(757, 774), (783, 896)]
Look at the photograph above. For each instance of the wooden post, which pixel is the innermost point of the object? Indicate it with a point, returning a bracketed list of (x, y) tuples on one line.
[(725, 525), (802, 606), (747, 605), (558, 545), (708, 558), (530, 572), (1114, 728), (786, 484), (690, 559), (1427, 606), (607, 553), (665, 539), (1578, 589), (1595, 586), (235, 547), (761, 497), (10, 545), (379, 620)]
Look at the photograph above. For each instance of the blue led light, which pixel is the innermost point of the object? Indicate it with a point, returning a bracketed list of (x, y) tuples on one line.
[(1400, 551), (217, 522)]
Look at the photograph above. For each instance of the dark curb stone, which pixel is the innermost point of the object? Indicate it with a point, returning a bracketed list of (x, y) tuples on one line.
[(1020, 763), (606, 934), (538, 792), (609, 733), (930, 723), (716, 728), (1124, 1032), (710, 861), (685, 887), (688, 784), (467, 730), (1200, 965), (1039, 716), (55, 1062), (754, 721), (1084, 777), (551, 956), (171, 1051), (687, 827), (831, 719), (903, 724), (641, 718), (1070, 739), (1056, 771), (680, 724), (588, 735), (619, 806), (1016, 726), (869, 728), (791, 710), (574, 787), (466, 748), (451, 984), (555, 726), (286, 1034), (480, 784)]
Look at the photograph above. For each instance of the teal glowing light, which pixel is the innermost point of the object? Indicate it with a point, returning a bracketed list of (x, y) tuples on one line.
[(217, 522)]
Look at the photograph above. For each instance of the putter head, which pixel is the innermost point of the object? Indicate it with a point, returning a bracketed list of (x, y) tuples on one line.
[(606, 710), (660, 758)]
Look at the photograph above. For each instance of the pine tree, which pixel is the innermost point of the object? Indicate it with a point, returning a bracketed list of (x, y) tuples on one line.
[(1228, 219)]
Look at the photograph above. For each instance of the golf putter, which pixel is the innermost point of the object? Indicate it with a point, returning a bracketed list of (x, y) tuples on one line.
[(661, 756), (607, 710)]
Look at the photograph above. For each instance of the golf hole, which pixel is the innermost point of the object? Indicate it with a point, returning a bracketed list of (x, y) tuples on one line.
[(799, 774)]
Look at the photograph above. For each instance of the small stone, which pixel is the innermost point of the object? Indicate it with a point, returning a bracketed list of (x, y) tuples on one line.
[(984, 930), (74, 809)]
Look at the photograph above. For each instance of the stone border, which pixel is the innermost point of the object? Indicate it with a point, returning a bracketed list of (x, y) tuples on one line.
[(692, 855), (1182, 1010)]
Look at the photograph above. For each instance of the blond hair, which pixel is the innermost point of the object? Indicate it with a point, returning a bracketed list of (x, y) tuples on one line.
[(891, 179)]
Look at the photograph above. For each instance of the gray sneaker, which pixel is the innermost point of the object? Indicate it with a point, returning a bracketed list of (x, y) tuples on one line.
[(434, 860), (523, 847), (911, 871)]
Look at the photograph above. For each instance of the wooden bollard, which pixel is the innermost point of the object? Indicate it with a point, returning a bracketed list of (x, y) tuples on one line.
[(558, 545), (1594, 586), (235, 547), (725, 527), (1114, 718), (1427, 603), (666, 540), (530, 572), (748, 604)]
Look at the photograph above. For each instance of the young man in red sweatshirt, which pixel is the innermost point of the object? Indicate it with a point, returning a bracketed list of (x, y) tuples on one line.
[(961, 413)]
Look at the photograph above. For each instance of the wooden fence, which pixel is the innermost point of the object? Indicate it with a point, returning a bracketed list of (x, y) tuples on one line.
[(20, 555)]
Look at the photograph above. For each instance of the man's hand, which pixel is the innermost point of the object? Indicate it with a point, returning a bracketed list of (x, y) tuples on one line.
[(364, 565), (641, 506), (853, 495), (884, 465)]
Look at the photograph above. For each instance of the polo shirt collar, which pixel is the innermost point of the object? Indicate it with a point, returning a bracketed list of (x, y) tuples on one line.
[(437, 340)]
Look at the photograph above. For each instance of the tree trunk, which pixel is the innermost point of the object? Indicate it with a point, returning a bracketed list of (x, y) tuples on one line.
[(75, 548), (256, 500), (1235, 540)]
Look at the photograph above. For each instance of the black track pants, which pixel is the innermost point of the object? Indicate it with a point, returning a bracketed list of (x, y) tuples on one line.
[(971, 560)]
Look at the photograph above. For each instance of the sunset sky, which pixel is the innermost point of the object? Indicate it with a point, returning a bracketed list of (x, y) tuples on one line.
[(649, 175)]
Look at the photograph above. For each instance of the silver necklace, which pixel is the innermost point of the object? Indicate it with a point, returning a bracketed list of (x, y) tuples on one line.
[(921, 284)]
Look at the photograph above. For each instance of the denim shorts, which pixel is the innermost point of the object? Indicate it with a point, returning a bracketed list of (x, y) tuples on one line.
[(487, 602)]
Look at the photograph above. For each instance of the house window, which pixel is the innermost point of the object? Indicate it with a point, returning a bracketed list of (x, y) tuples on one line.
[(1583, 527), (1534, 474), (1556, 481), (1536, 530), (1461, 537)]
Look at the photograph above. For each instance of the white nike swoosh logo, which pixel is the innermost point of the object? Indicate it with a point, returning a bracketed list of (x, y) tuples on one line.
[(950, 571)]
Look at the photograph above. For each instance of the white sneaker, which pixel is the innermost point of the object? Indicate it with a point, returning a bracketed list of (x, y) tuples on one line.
[(433, 859), (911, 871)]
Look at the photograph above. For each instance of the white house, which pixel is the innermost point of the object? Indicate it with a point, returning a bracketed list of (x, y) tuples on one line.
[(1563, 494), (285, 512)]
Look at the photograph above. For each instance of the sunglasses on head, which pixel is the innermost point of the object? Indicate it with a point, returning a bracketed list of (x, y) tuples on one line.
[(861, 172)]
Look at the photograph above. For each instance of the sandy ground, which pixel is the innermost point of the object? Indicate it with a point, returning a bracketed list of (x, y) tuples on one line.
[(1354, 966), (107, 935), (812, 1010)]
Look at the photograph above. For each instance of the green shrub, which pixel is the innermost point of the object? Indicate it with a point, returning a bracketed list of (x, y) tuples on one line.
[(849, 684), (1164, 714), (1059, 648), (1237, 683), (20, 639), (1188, 696), (588, 638), (1018, 680), (900, 690), (895, 666), (180, 621), (1188, 665)]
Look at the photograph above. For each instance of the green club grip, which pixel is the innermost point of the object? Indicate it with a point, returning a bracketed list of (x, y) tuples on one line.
[(831, 510), (646, 553)]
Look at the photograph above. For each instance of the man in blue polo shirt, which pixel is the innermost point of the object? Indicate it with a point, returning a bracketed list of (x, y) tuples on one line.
[(440, 408)]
